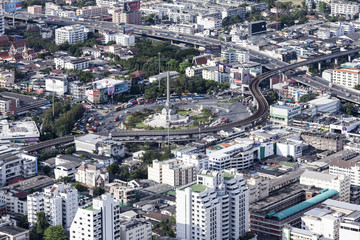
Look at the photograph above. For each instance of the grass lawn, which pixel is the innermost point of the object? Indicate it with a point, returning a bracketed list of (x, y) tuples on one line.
[(183, 112), (295, 2)]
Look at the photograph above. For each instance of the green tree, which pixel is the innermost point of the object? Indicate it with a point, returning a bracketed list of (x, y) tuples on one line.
[(173, 65), (113, 169), (124, 174), (98, 191), (41, 224), (349, 108), (324, 7), (79, 187), (70, 150), (183, 66), (272, 97), (23, 222), (55, 233), (357, 87), (35, 118), (308, 97), (47, 170)]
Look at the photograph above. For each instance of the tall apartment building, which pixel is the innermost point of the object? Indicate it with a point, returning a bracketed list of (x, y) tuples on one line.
[(2, 21), (173, 172), (59, 202), (216, 206), (15, 165), (344, 8), (71, 34), (101, 220), (340, 183)]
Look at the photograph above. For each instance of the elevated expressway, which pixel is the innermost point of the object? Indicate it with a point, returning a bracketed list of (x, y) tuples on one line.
[(259, 115)]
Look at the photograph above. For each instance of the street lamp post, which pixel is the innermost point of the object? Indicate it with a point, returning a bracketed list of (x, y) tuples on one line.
[(159, 53)]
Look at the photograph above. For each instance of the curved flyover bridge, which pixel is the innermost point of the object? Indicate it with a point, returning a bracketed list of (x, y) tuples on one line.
[(258, 116)]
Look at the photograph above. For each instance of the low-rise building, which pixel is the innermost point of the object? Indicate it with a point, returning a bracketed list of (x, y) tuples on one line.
[(173, 172), (121, 192), (71, 34), (284, 113), (340, 183), (14, 233), (73, 63), (239, 156), (101, 145), (91, 176), (209, 22), (35, 9), (57, 83), (65, 166), (15, 165), (15, 194), (135, 230), (92, 11), (332, 142)]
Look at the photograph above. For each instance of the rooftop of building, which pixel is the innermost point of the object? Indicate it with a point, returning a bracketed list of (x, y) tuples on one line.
[(319, 176), (30, 184), (198, 188), (90, 138), (12, 230), (325, 194), (323, 101), (18, 130)]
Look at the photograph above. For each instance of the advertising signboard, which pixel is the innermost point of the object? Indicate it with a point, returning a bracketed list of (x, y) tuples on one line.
[(213, 49), (131, 6), (13, 7)]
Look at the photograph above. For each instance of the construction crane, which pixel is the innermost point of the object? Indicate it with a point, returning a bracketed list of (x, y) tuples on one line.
[(277, 17)]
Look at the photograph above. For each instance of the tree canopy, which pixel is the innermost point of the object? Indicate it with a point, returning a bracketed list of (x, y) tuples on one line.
[(55, 233)]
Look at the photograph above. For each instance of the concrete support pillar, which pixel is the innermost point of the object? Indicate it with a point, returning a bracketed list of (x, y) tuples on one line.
[(271, 83), (336, 61), (319, 66), (349, 58)]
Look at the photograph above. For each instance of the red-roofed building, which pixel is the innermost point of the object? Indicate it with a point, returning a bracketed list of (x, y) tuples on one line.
[(16, 180)]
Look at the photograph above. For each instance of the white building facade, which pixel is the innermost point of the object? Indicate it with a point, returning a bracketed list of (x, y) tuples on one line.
[(214, 207), (71, 34), (58, 202), (101, 220)]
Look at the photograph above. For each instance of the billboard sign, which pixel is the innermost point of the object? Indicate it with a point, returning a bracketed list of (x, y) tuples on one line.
[(257, 28), (131, 6), (110, 91), (13, 7), (224, 67), (213, 49)]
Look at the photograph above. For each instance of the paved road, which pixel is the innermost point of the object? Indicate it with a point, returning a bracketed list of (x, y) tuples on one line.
[(160, 33), (233, 111)]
